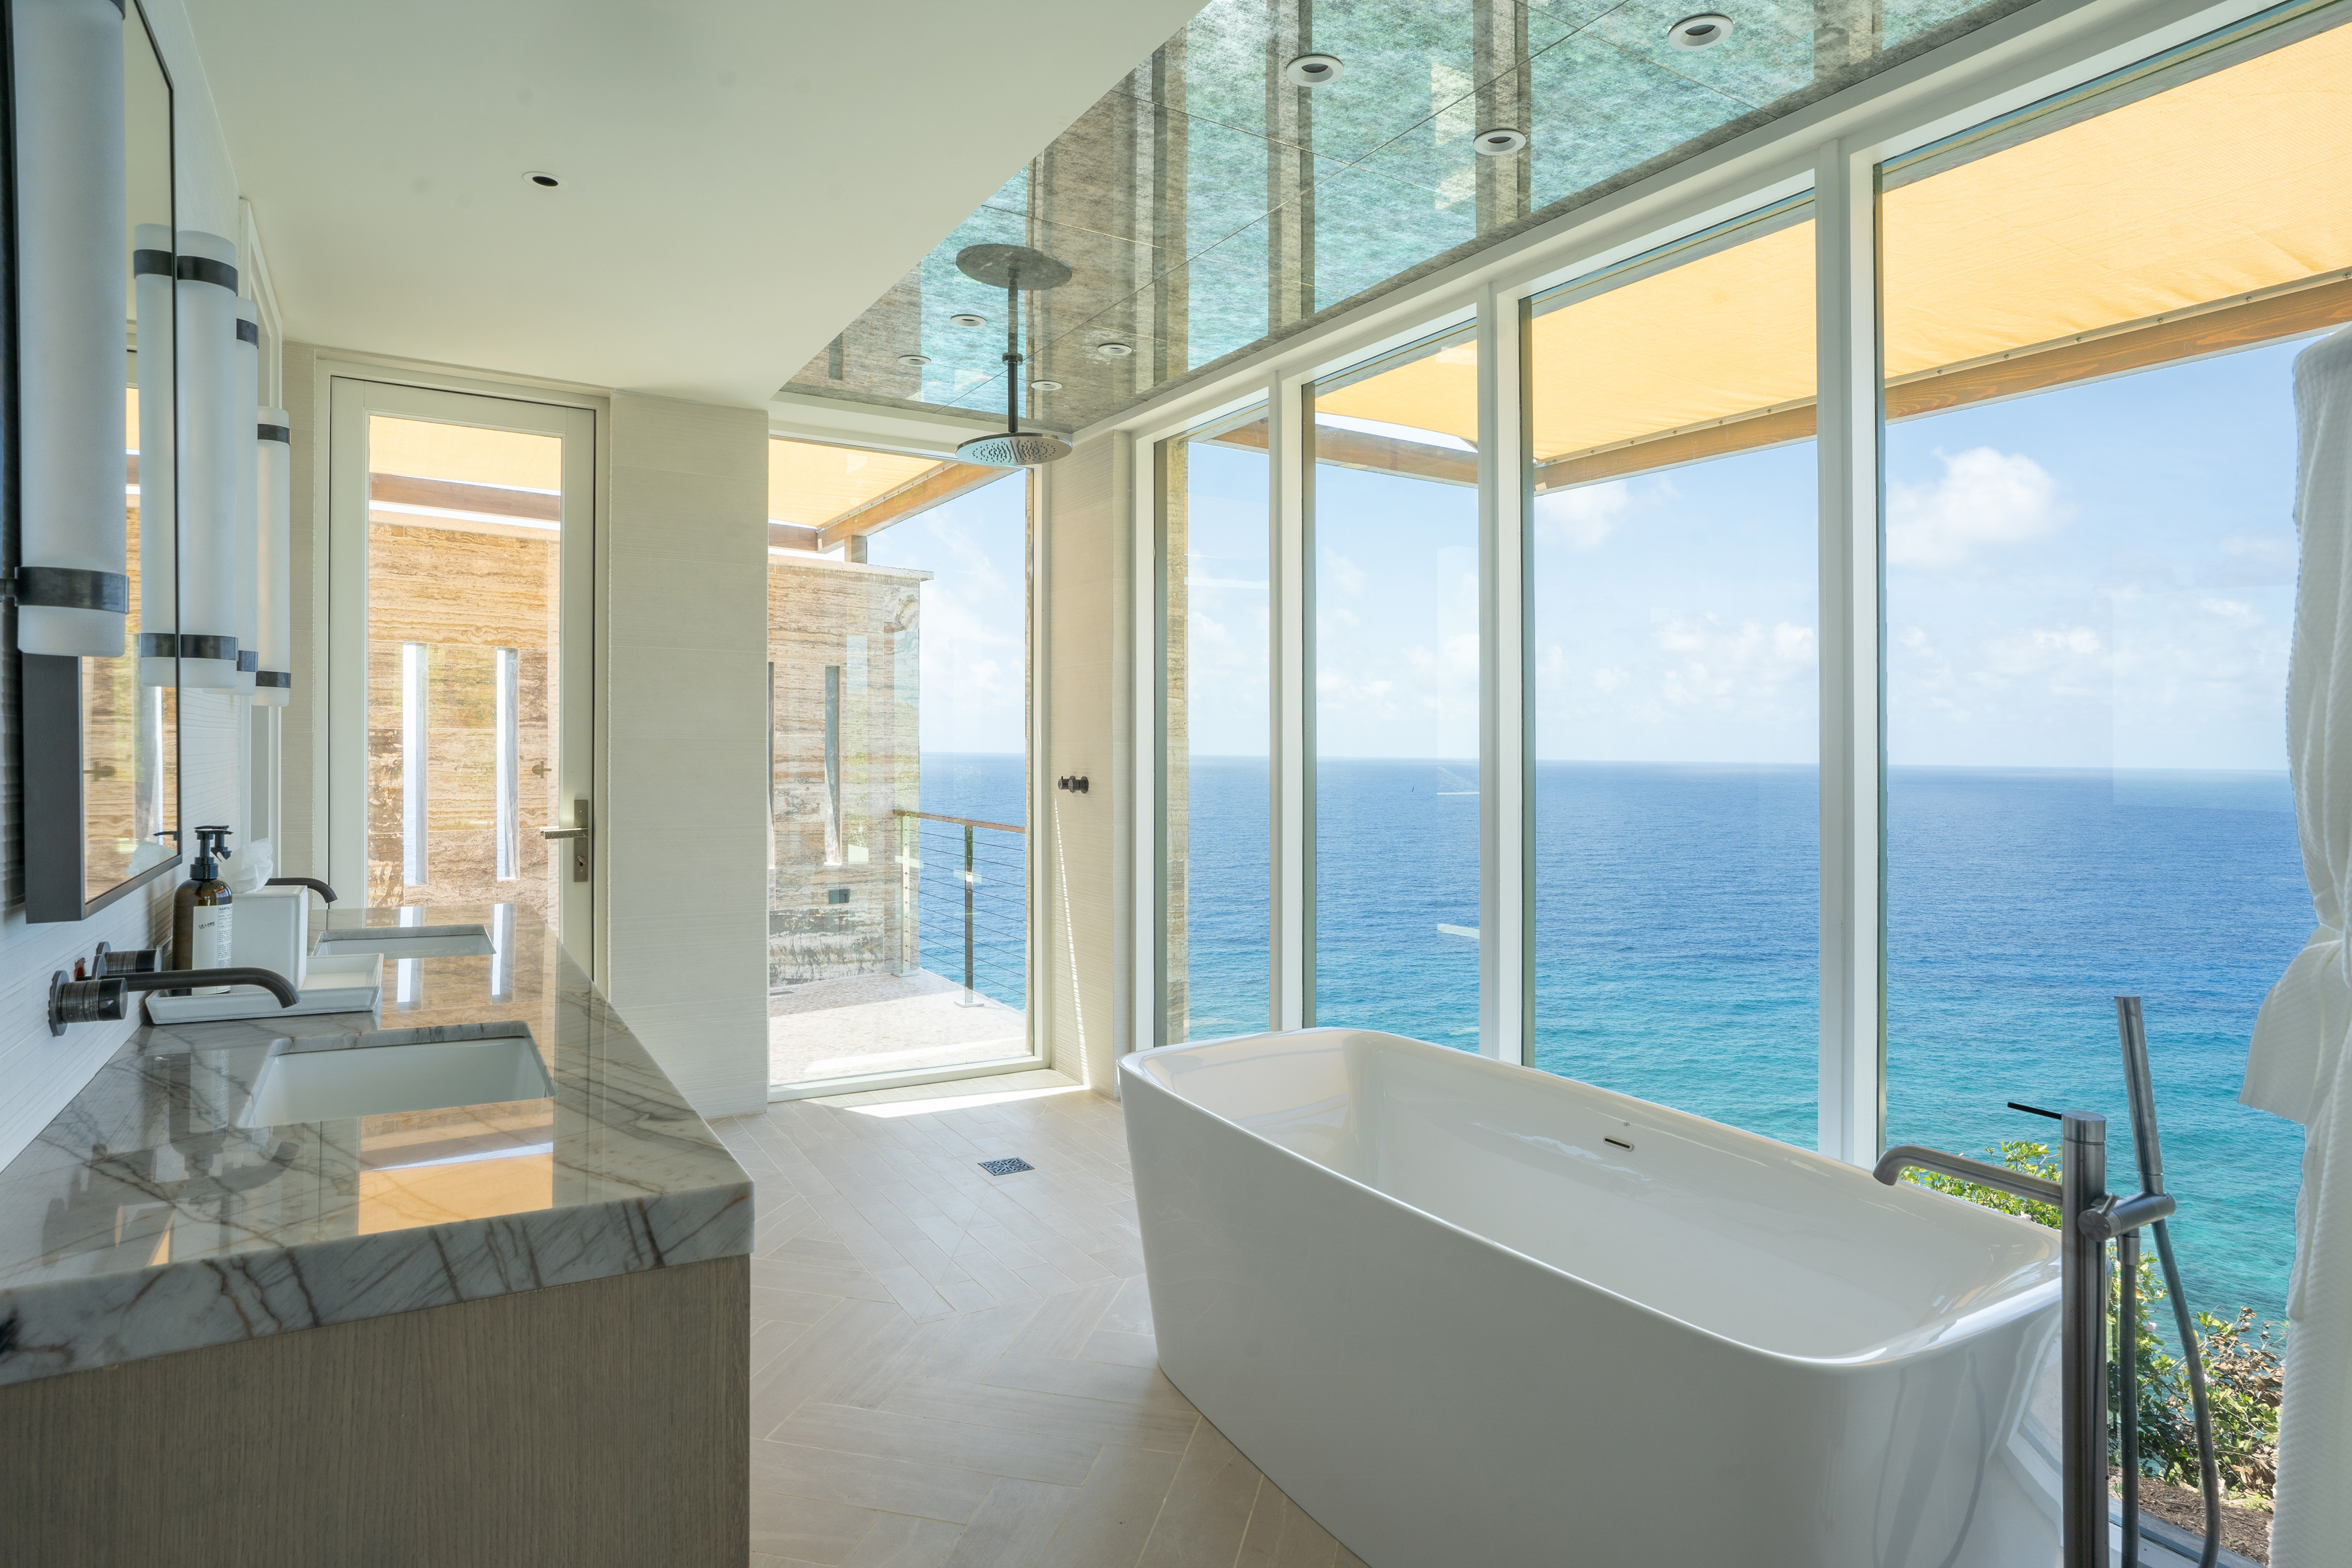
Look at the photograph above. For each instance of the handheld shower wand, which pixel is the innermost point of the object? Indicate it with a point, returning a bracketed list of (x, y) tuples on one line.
[(2133, 1029)]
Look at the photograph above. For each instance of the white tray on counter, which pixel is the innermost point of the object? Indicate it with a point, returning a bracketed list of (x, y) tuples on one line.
[(345, 983)]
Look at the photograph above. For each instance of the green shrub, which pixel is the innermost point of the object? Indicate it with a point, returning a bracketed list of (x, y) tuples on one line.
[(2243, 1359)]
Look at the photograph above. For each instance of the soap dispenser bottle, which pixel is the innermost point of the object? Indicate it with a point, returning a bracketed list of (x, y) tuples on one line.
[(201, 911)]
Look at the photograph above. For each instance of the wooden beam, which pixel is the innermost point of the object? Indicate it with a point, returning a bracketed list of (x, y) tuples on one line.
[(2193, 337), (792, 536), (934, 487), (1339, 448), (456, 495)]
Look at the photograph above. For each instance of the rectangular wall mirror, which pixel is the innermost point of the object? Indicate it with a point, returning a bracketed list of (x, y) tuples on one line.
[(101, 735)]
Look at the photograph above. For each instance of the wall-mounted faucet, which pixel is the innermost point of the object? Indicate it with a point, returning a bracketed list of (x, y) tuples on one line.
[(101, 1000)]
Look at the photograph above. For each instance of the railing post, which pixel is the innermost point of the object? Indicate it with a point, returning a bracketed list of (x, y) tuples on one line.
[(969, 879)]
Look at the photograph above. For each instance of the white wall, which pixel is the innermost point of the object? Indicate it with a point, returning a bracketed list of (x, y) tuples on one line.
[(683, 662), (1084, 524), (40, 1072)]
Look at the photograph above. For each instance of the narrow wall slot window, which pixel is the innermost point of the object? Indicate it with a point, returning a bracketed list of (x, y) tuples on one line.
[(416, 691), (502, 965), (509, 762), (833, 855)]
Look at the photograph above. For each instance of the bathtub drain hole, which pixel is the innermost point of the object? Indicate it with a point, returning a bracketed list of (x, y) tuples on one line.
[(1005, 1168)]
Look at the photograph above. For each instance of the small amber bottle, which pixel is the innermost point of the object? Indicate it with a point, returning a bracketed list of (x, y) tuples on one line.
[(201, 911)]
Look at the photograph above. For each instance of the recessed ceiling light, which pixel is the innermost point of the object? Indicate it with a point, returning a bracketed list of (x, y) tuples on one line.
[(966, 318), (1045, 386), (1114, 351), (914, 361), (1700, 31), (1313, 71), (541, 178), (1499, 142)]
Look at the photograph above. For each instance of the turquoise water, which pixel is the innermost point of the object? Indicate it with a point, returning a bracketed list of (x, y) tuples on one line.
[(1678, 930)]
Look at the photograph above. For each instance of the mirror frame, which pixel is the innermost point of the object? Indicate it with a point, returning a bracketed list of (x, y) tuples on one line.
[(55, 821)]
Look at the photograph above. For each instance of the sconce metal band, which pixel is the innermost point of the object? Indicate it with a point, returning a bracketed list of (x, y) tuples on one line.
[(205, 269), (273, 678), (274, 433), (249, 660), (70, 587), (186, 645), (151, 263), (248, 332)]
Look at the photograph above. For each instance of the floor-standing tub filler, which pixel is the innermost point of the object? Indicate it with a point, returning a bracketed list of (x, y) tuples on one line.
[(1467, 1313)]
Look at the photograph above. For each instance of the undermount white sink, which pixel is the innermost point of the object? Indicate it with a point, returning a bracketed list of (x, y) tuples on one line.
[(399, 1069), (408, 941)]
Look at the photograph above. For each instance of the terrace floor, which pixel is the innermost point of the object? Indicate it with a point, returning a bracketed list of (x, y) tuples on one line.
[(952, 1369), (885, 1023)]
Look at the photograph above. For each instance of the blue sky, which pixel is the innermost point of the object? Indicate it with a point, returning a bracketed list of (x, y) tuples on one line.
[(2100, 575), (971, 637)]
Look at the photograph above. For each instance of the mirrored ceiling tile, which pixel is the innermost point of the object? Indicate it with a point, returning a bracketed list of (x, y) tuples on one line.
[(1600, 112), (1914, 22), (1767, 53), (1400, 62), (1369, 226)]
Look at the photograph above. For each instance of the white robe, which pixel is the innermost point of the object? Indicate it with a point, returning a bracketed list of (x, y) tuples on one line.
[(2295, 1067)]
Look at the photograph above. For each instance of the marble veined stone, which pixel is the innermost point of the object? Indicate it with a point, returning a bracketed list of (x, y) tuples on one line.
[(146, 1219)]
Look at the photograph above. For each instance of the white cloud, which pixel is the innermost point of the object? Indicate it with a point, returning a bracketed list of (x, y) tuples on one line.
[(1346, 575), (1985, 499), (1583, 517)]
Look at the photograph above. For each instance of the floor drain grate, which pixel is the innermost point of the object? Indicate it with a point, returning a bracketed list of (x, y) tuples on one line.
[(1005, 1168)]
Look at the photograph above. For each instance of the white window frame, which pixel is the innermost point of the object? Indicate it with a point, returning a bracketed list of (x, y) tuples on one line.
[(1831, 149)]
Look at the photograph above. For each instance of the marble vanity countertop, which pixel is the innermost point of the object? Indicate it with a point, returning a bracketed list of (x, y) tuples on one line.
[(144, 1220)]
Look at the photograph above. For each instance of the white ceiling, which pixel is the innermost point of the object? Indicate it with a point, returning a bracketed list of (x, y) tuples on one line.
[(741, 178)]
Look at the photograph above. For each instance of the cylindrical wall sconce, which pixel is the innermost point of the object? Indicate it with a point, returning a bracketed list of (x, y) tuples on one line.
[(274, 678), (153, 275), (213, 429), (246, 369), (72, 586)]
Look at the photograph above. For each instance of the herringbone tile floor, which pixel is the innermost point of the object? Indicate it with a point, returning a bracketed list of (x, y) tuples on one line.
[(955, 1370)]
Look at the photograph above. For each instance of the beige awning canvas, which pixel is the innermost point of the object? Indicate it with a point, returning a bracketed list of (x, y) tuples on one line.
[(2069, 256)]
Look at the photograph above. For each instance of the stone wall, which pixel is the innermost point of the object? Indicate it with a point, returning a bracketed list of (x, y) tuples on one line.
[(842, 640)]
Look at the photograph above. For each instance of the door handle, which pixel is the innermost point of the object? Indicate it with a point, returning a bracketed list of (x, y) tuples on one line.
[(580, 833)]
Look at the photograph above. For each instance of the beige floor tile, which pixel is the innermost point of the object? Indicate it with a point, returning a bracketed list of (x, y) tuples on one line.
[(996, 1452), (1129, 1311), (1281, 1535), (1122, 1349), (1066, 1317), (818, 1278), (1055, 1415), (771, 1340), (867, 1374), (1208, 1507), (804, 1529), (1146, 1385), (1112, 1516), (898, 1541), (1012, 1527), (866, 1480), (771, 1305), (809, 1362), (973, 1342)]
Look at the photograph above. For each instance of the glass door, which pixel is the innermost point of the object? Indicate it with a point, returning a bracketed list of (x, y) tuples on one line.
[(462, 582)]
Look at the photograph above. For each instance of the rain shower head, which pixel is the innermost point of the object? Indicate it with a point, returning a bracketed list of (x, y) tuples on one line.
[(1013, 268), (1014, 449)]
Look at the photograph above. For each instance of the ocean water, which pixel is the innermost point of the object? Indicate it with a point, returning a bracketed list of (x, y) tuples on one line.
[(1677, 932)]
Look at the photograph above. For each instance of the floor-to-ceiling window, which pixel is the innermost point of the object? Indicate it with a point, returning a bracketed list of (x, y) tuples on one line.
[(2090, 321), (897, 643), (1214, 554), (1675, 677), (1395, 504)]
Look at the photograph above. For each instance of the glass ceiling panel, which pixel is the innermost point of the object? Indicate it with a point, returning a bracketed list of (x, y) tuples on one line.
[(1205, 205)]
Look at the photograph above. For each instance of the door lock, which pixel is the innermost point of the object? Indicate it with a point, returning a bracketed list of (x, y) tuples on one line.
[(580, 835)]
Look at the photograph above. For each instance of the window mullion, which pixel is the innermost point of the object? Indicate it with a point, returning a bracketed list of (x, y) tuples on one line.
[(1852, 1039), (1504, 1000)]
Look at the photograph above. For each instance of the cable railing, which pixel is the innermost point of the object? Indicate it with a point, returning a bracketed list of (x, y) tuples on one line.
[(964, 895)]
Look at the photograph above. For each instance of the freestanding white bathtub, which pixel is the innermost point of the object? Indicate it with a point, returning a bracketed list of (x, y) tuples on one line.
[(1469, 1314)]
